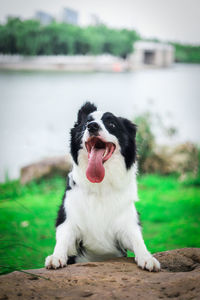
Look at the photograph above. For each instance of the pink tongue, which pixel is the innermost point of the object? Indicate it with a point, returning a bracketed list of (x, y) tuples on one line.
[(95, 170)]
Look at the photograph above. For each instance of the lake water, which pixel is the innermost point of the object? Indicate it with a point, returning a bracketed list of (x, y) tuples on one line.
[(37, 109)]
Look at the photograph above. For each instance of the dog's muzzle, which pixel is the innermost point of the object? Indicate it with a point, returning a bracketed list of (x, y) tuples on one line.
[(93, 128)]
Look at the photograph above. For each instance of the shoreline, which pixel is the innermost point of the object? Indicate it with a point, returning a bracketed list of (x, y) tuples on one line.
[(77, 63)]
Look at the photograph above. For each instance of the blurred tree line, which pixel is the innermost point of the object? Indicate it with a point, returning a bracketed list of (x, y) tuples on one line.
[(29, 37), (187, 53)]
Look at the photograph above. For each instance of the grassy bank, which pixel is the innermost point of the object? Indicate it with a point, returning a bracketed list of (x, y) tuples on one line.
[(170, 215)]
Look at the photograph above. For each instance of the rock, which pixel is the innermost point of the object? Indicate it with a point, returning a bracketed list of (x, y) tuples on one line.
[(47, 167), (180, 159), (114, 279)]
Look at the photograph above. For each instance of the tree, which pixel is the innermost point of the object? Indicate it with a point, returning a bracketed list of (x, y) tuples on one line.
[(8, 36), (28, 37), (31, 38)]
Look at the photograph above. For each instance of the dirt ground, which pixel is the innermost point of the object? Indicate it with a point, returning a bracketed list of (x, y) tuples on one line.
[(114, 279)]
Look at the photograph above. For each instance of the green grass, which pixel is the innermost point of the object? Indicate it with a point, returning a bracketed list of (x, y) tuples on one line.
[(170, 215)]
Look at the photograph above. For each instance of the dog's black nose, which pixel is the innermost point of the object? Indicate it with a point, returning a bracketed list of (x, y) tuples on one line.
[(93, 127)]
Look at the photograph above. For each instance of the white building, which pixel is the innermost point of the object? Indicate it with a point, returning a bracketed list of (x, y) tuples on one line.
[(70, 16), (94, 20), (43, 17), (151, 54)]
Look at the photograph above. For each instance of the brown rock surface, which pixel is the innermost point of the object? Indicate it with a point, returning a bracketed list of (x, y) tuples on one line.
[(168, 159), (114, 279), (47, 167)]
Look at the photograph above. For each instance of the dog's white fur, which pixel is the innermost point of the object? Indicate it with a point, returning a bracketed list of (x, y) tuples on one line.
[(101, 213)]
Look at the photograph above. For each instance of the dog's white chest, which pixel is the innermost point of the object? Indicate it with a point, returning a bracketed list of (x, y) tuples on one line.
[(97, 219)]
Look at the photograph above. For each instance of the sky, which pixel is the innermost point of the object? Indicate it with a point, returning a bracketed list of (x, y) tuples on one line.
[(174, 20)]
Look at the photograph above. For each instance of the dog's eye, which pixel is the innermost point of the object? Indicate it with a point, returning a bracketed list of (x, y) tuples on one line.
[(112, 125)]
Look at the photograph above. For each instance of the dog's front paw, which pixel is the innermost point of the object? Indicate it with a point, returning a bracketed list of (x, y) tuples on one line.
[(148, 262), (55, 262)]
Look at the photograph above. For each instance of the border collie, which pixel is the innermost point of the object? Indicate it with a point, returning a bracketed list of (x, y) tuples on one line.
[(97, 219)]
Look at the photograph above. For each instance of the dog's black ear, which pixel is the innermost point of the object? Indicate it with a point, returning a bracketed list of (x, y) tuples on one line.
[(129, 148), (85, 110), (130, 127)]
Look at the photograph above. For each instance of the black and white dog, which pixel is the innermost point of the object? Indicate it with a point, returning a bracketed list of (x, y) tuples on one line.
[(98, 219)]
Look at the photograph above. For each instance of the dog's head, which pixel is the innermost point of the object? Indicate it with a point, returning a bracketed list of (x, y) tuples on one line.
[(99, 138)]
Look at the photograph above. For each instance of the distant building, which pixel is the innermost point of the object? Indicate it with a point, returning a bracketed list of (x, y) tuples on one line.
[(70, 16), (152, 54), (94, 20), (43, 17)]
